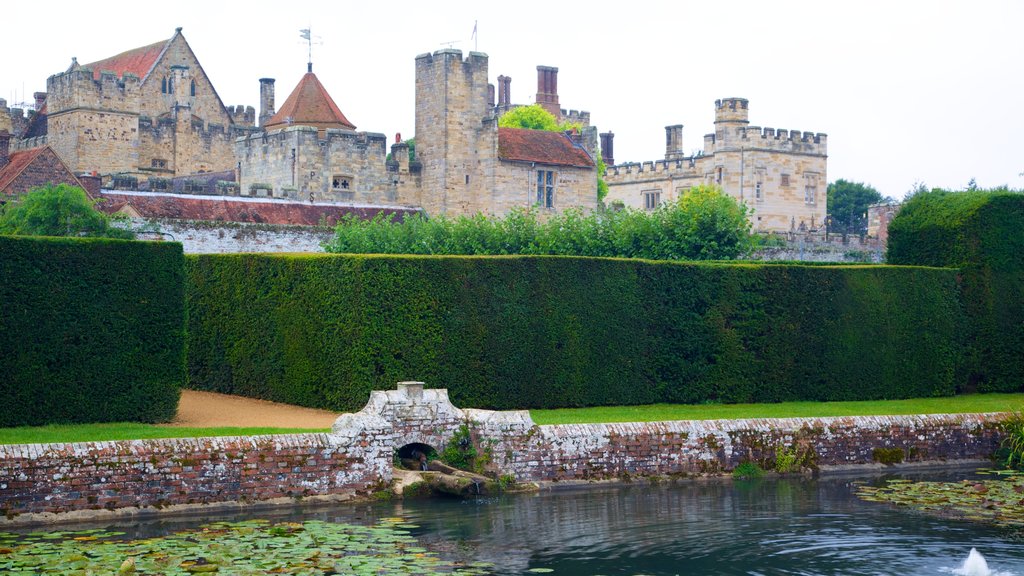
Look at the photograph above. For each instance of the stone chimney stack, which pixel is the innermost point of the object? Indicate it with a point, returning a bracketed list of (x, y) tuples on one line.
[(674, 142), (266, 100), (5, 148), (40, 100), (547, 90), (608, 148)]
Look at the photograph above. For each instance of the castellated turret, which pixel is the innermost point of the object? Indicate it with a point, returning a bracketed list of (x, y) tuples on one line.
[(451, 113)]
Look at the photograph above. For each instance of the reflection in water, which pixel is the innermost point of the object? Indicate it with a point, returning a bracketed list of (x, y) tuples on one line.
[(793, 526)]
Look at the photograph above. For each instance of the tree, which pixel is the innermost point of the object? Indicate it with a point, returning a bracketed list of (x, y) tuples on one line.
[(532, 117), (60, 210), (848, 206)]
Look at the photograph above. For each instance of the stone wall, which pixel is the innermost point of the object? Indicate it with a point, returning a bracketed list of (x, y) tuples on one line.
[(594, 451), (358, 453), (234, 237), (38, 478)]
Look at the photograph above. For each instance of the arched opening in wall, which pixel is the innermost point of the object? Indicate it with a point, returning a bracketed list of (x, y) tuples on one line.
[(414, 456)]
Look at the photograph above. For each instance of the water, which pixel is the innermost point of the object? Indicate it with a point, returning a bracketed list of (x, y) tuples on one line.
[(765, 527)]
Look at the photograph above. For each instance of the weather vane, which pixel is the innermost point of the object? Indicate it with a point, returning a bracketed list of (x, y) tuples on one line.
[(307, 35)]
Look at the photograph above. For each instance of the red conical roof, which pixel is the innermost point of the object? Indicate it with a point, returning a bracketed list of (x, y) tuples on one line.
[(309, 105)]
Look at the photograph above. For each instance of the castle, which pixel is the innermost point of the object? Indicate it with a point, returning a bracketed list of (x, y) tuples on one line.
[(150, 120), (779, 174)]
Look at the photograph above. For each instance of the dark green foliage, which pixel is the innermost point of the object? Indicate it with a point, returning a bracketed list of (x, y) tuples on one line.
[(91, 330), (848, 206), (704, 224), (60, 210), (531, 332), (978, 232), (887, 455)]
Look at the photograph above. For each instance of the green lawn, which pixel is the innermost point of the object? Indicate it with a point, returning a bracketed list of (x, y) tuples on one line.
[(648, 413), (124, 431), (656, 412)]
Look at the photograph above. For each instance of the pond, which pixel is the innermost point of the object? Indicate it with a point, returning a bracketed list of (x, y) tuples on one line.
[(770, 526)]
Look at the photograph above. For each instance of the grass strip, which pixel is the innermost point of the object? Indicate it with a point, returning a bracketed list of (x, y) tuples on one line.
[(53, 433), (657, 412)]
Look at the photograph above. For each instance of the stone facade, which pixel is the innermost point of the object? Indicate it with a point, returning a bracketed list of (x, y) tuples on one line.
[(780, 174), (460, 148), (358, 453), (149, 111), (301, 164)]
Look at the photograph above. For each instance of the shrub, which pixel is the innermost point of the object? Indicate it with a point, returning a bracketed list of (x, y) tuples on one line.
[(747, 471), (978, 232), (704, 224), (92, 330), (546, 332)]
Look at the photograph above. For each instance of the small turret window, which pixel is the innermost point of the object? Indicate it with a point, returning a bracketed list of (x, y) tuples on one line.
[(192, 89)]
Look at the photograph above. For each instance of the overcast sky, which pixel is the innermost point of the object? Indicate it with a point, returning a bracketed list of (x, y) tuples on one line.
[(907, 91)]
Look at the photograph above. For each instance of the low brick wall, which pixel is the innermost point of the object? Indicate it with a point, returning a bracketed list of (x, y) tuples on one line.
[(37, 478), (592, 451), (357, 455)]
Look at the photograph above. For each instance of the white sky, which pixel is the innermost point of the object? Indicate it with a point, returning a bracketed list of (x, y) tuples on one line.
[(907, 91)]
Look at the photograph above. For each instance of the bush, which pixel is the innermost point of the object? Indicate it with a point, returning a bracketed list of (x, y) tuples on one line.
[(60, 210), (978, 232), (545, 332), (704, 224), (91, 331)]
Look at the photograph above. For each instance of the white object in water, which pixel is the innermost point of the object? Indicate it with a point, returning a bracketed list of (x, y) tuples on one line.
[(974, 565)]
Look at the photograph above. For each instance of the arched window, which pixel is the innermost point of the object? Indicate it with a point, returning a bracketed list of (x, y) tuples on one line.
[(170, 85), (193, 88)]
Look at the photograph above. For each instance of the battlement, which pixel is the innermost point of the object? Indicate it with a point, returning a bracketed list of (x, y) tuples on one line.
[(78, 89), (576, 117), (633, 171), (256, 137), (776, 139), (448, 54), (731, 110), (165, 127), (242, 115)]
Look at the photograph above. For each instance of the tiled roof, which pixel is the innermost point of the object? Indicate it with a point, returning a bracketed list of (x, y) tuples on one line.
[(18, 162), (138, 61), (542, 147), (235, 209), (310, 105)]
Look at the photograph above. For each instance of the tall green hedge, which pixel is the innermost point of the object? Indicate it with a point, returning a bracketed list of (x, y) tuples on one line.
[(524, 332), (982, 234), (90, 331)]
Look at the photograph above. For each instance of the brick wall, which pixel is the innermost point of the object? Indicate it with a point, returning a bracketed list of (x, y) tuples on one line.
[(357, 455), (586, 451), (155, 473)]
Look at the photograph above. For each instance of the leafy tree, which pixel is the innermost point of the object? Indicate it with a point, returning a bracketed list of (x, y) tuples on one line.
[(848, 206), (60, 210), (533, 117)]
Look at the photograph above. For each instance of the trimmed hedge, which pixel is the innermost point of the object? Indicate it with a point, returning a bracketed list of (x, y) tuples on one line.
[(980, 233), (535, 331), (92, 330)]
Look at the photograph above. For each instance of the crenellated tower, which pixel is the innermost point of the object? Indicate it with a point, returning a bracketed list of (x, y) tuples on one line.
[(452, 119)]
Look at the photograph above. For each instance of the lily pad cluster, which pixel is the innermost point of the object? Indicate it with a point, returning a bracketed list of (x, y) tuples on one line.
[(253, 547), (998, 501)]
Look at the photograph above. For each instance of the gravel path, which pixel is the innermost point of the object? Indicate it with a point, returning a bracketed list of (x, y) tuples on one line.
[(210, 410)]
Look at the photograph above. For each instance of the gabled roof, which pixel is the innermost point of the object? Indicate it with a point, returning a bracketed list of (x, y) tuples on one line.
[(309, 104), (138, 61), (542, 147), (19, 161), (236, 209)]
